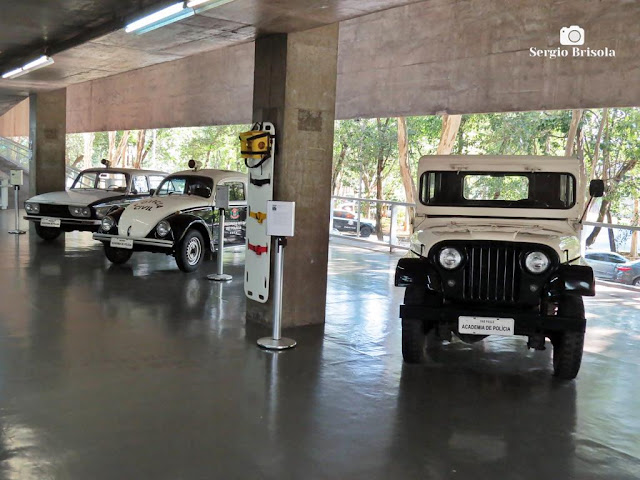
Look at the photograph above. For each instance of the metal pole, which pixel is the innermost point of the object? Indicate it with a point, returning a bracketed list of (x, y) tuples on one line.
[(220, 276), (17, 230), (276, 341)]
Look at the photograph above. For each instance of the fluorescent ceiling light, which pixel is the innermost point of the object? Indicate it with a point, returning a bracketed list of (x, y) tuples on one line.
[(206, 4), (43, 61), (163, 17)]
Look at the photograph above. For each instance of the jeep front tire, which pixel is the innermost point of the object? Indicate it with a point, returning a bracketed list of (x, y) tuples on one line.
[(568, 346)]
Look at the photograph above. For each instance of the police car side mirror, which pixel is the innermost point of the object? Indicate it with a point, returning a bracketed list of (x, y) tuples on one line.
[(152, 192), (596, 188)]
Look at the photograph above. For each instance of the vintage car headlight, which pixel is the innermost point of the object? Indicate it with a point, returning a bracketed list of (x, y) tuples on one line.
[(536, 262), (163, 228), (450, 258), (107, 223), (80, 211), (102, 211), (32, 207)]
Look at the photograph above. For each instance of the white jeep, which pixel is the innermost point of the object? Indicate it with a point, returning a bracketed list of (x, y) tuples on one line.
[(496, 251)]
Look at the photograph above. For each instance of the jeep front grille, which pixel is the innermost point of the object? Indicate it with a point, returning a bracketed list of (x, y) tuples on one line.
[(492, 273)]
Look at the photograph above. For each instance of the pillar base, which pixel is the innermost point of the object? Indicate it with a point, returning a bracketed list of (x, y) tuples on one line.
[(17, 232), (269, 343), (219, 277)]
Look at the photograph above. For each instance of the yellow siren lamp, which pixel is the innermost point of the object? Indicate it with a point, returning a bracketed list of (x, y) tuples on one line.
[(255, 145)]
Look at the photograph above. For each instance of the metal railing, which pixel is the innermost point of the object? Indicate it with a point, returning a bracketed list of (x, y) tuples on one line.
[(14, 153), (359, 228)]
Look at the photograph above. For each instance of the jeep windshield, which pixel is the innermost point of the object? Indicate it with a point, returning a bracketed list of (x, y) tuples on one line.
[(111, 181), (186, 185), (498, 189)]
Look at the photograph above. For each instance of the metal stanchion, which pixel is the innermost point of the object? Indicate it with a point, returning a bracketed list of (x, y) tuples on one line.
[(220, 276), (17, 230), (276, 342)]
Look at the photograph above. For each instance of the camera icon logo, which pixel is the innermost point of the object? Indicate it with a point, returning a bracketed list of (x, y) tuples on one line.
[(573, 35)]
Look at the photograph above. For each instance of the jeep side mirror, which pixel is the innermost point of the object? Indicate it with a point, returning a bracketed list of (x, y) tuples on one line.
[(596, 188)]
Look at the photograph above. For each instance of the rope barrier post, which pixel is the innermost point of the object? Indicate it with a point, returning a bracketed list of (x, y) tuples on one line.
[(276, 341), (17, 230), (220, 276)]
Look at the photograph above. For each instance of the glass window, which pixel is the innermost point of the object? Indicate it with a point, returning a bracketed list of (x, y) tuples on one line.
[(498, 189), (111, 181), (186, 185), (155, 180), (140, 184), (236, 191)]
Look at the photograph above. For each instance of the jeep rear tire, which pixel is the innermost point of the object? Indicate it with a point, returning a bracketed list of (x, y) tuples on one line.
[(117, 255), (47, 233), (568, 346)]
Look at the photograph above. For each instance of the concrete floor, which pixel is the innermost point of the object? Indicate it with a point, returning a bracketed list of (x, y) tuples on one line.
[(143, 372)]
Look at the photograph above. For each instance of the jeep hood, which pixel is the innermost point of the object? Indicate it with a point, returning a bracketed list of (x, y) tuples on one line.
[(77, 198), (139, 218), (562, 236)]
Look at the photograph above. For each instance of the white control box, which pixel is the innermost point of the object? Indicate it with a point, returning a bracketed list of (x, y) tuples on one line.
[(16, 177), (280, 218), (222, 196)]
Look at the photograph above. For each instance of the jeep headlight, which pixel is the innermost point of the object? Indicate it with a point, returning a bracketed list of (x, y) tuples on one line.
[(102, 211), (163, 228), (80, 211), (450, 258), (32, 207), (107, 223), (537, 262)]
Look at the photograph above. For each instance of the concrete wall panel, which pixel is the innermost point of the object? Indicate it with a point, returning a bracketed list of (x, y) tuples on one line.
[(461, 56), (213, 88)]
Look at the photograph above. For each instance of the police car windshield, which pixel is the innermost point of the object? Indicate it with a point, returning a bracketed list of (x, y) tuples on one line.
[(111, 181), (498, 189), (186, 185)]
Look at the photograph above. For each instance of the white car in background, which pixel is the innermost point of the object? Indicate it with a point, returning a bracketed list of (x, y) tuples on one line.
[(180, 219), (94, 192)]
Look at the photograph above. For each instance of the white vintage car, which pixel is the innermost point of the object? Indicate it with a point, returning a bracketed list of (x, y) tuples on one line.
[(94, 192), (180, 219)]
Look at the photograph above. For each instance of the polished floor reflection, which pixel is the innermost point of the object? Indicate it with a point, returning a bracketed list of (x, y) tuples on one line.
[(143, 372)]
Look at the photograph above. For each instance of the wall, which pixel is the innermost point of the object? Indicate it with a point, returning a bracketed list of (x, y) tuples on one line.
[(213, 88), (15, 123), (461, 56)]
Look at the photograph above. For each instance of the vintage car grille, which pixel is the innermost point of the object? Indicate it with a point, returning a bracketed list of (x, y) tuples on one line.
[(61, 211), (492, 273)]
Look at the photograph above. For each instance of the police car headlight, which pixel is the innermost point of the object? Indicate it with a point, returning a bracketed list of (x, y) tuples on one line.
[(80, 211), (163, 228), (450, 258), (32, 207), (102, 211), (107, 223), (537, 262)]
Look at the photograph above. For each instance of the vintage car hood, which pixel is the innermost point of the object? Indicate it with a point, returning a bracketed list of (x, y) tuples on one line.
[(562, 236), (79, 198), (139, 218)]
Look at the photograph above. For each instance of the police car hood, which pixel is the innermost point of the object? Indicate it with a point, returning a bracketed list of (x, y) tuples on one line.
[(76, 197), (562, 236), (139, 218)]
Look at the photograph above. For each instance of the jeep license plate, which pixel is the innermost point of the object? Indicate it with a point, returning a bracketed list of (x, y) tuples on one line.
[(486, 325), (50, 222), (122, 243)]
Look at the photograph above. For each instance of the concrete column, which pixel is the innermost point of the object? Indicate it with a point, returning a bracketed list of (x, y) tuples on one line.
[(47, 132), (295, 89)]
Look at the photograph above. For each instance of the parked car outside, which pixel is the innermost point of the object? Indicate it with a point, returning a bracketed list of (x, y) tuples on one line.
[(347, 221), (94, 192), (179, 219), (613, 266)]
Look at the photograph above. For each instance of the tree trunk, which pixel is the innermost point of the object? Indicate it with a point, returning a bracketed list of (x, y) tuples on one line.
[(576, 116), (634, 235), (142, 135), (450, 126), (405, 169), (88, 148), (122, 149), (612, 238), (596, 151), (604, 207), (111, 154), (337, 168)]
